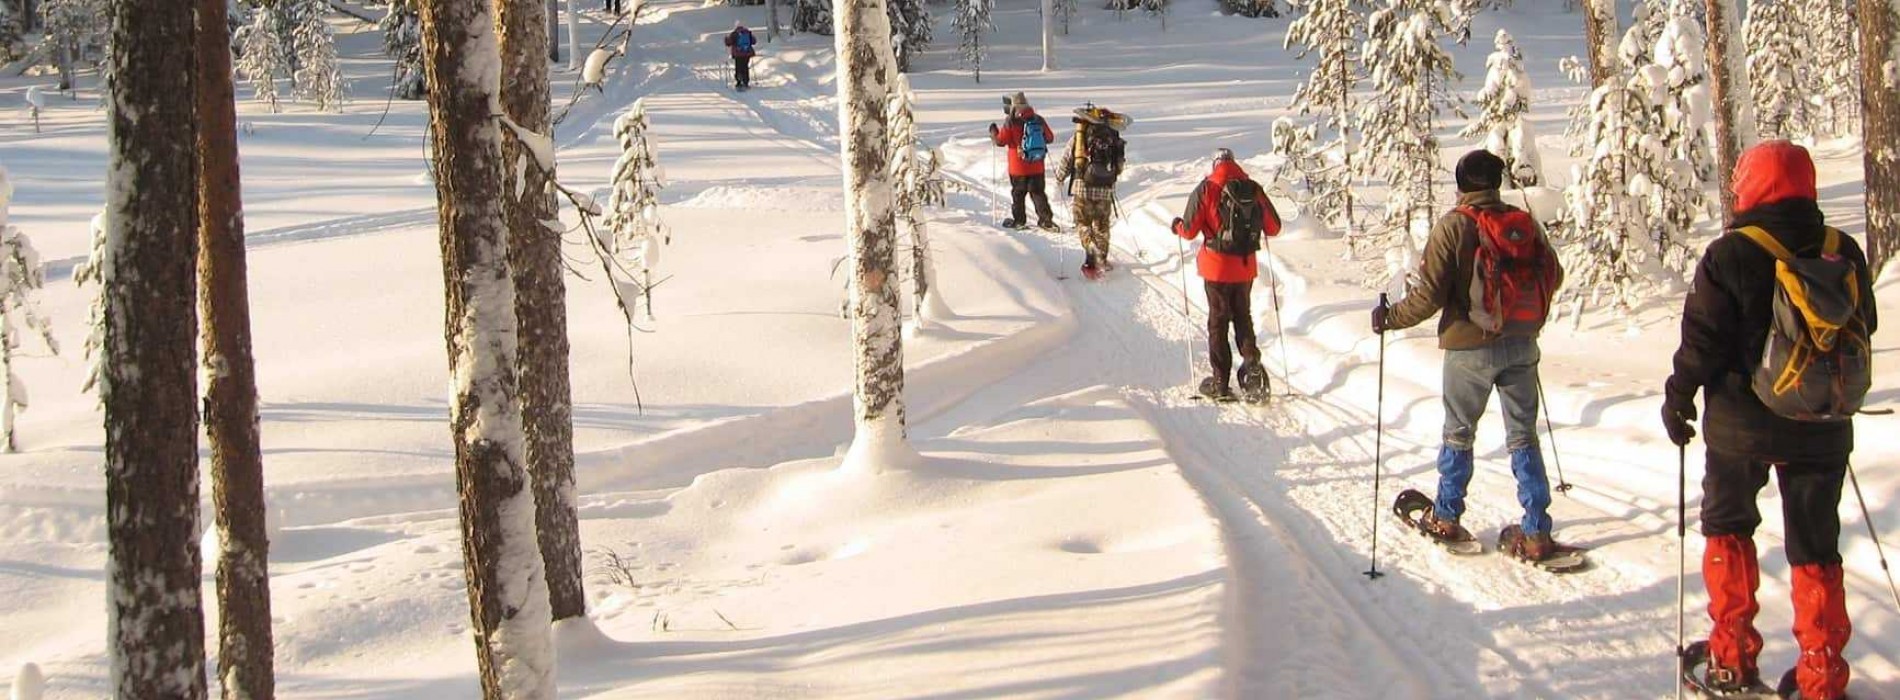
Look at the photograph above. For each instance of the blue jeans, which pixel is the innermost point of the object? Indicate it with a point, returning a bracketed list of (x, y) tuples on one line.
[(1509, 365)]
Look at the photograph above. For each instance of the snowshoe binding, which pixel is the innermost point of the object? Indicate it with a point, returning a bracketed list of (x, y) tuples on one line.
[(1541, 551), (1415, 510), (1788, 689), (1255, 387), (1707, 682), (1048, 226), (1213, 389), (1013, 224), (1091, 269)]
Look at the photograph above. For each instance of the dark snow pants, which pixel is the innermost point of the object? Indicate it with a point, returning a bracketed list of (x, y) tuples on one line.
[(1230, 304), (1031, 186), (1810, 503), (742, 71)]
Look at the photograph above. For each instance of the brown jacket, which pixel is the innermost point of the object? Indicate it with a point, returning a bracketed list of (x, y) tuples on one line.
[(1443, 280)]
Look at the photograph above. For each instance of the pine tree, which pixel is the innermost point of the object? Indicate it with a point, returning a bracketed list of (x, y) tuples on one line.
[(1503, 106), (1728, 91), (1065, 14), (1412, 79), (1778, 69), (507, 589), (1331, 31), (1834, 52), (1251, 8), (261, 57), (149, 381), (318, 76), (1602, 227), (245, 645), (20, 281), (1880, 118), (812, 16), (402, 40), (1158, 9), (916, 183), (910, 30), (11, 31), (534, 258), (971, 21), (866, 71), (633, 208), (75, 33)]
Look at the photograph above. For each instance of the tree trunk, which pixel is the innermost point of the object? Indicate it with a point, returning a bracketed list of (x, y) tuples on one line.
[(534, 254), (866, 71), (230, 406), (149, 379), (574, 54), (1600, 33), (554, 31), (1048, 35), (771, 13), (507, 592), (1729, 93), (1880, 123)]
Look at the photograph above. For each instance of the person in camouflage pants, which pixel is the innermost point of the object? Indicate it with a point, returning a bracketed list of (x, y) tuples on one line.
[(1088, 169)]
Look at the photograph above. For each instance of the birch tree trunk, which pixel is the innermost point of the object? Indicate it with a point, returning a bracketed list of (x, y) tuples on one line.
[(574, 53), (1880, 119), (245, 646), (1729, 93), (534, 254), (1048, 35), (1600, 33), (867, 67), (507, 591), (149, 375)]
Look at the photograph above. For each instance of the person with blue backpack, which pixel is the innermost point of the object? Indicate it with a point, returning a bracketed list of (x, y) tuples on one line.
[(1027, 136), (741, 44)]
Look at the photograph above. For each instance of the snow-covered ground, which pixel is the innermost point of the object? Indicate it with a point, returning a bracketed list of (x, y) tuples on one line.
[(1078, 527)]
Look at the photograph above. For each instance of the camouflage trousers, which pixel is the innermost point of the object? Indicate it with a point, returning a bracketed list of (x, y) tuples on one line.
[(1092, 217)]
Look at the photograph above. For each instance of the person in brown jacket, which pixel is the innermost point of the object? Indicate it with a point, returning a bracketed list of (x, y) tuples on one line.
[(1481, 354)]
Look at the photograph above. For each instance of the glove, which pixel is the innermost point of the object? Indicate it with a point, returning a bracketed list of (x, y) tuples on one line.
[(1679, 420), (993, 130), (1380, 314), (1179, 226)]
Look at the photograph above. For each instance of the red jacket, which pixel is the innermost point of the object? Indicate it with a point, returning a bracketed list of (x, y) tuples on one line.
[(1203, 216), (1011, 136)]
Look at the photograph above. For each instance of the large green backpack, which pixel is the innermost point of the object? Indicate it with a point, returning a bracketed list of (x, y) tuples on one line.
[(1818, 363)]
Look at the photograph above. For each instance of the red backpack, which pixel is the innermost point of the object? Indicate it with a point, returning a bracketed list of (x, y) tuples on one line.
[(1514, 276)]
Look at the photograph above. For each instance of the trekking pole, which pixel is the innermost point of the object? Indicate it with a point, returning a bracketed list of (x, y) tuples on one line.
[(1279, 330), (1378, 451), (1563, 485), (1682, 558), (994, 204), (1871, 532), (1187, 342)]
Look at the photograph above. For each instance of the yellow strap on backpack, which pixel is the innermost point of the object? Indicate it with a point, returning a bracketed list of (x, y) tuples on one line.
[(1822, 332)]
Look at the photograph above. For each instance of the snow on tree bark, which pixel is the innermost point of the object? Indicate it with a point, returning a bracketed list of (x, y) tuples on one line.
[(915, 185), (1600, 35), (866, 70), (149, 382), (534, 254), (245, 646), (507, 590), (1880, 119), (1729, 92)]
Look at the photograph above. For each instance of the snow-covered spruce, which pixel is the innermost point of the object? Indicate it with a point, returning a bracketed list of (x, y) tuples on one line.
[(11, 38), (1158, 9), (1833, 46), (1680, 60), (911, 30), (812, 16), (261, 57), (402, 40), (916, 183), (91, 274), (1778, 69), (75, 32), (866, 71), (1503, 106), (633, 207), (1412, 79), (1251, 8), (971, 21), (507, 586), (319, 76), (1331, 32), (20, 281)]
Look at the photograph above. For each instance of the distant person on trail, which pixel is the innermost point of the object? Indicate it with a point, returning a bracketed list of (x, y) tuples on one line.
[(1088, 169), (1231, 212), (1489, 334), (1768, 411), (743, 47), (612, 6), (1027, 136)]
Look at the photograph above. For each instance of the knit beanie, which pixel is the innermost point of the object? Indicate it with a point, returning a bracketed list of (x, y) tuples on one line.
[(1480, 170)]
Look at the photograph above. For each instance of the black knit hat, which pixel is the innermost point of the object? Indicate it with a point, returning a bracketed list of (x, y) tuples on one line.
[(1480, 170)]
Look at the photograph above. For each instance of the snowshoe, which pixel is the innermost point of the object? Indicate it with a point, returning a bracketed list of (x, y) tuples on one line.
[(1541, 552), (1255, 387), (1695, 677), (1048, 226), (1789, 689), (1213, 390), (1091, 270), (1415, 510), (1013, 224)]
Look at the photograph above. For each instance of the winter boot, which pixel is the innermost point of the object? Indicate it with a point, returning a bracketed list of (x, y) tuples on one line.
[(1047, 225), (1447, 530), (1216, 389), (1821, 628), (1012, 223), (1536, 546), (1253, 381), (1090, 269), (1732, 574)]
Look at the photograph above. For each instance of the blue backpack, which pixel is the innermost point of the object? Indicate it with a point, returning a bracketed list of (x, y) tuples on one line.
[(744, 44), (1035, 145)]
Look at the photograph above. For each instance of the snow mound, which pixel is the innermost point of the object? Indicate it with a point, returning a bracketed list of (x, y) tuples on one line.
[(29, 683), (766, 198), (1307, 228)]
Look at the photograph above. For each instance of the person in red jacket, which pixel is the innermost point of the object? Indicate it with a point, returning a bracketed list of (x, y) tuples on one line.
[(742, 46), (1213, 210), (1025, 169)]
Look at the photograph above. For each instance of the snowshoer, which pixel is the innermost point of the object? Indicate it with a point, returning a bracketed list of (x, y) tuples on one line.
[(1027, 136), (1090, 165), (1728, 324), (742, 46), (1232, 212), (1489, 334)]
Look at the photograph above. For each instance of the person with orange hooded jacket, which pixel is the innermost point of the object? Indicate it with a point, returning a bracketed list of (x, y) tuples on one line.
[(1725, 326), (1228, 276), (1026, 170)]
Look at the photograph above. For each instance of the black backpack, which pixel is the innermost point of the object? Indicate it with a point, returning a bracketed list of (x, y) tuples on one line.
[(1241, 207), (1104, 152)]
